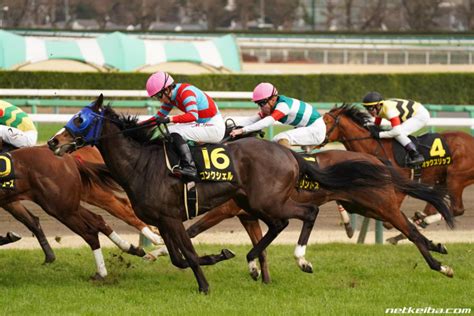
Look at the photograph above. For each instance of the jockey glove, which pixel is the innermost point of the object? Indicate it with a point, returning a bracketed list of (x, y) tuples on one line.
[(161, 119), (374, 131)]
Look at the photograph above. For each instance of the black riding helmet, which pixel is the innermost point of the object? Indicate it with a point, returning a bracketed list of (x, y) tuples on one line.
[(372, 98)]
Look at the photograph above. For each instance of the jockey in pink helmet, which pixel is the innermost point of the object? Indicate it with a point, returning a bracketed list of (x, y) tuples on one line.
[(310, 127), (201, 121)]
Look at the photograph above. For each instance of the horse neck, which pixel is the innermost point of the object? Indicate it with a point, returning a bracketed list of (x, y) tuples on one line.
[(119, 153), (350, 130)]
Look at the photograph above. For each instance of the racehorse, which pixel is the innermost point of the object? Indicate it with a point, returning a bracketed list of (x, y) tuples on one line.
[(156, 197), (93, 191), (347, 124), (380, 205), (56, 183)]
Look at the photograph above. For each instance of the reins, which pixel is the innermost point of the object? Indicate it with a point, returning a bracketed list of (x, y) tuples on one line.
[(79, 141)]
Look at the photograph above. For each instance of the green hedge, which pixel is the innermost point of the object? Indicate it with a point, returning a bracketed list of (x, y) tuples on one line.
[(434, 88)]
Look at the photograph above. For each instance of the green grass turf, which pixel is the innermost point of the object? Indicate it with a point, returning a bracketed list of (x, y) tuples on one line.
[(348, 280)]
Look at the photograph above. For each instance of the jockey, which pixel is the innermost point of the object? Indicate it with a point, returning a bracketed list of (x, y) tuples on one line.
[(405, 116), (201, 121), (16, 127), (310, 127)]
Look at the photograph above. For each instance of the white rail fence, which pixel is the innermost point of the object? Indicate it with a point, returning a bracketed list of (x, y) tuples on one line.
[(238, 95)]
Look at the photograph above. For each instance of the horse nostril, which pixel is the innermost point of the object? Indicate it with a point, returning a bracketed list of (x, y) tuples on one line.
[(52, 143)]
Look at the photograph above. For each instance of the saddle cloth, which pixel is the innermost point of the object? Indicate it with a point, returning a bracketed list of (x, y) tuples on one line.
[(212, 162), (432, 146), (7, 174)]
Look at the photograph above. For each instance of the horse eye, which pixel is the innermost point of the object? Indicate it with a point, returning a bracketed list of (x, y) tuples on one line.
[(78, 121)]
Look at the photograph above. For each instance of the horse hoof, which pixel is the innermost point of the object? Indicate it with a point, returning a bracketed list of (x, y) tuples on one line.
[(49, 260), (227, 254), (149, 257), (442, 249), (392, 240), (97, 277), (204, 291), (349, 230), (308, 268), (254, 274), (136, 251), (447, 271)]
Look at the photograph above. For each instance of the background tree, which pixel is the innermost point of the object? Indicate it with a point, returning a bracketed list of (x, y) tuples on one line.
[(281, 13), (421, 14)]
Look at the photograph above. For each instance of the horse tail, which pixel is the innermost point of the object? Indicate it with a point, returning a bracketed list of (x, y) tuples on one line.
[(422, 191), (345, 175), (98, 174)]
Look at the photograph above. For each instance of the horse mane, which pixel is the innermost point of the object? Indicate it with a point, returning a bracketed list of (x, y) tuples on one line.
[(129, 124), (361, 118)]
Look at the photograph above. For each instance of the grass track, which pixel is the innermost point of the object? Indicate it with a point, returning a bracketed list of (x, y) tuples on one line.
[(348, 280)]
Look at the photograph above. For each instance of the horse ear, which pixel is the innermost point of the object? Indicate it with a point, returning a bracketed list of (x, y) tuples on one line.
[(98, 102)]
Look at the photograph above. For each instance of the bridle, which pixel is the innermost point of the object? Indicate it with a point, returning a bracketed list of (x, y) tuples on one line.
[(92, 134), (336, 119)]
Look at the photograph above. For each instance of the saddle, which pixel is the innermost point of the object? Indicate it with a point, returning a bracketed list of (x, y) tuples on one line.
[(432, 146), (230, 126), (213, 163)]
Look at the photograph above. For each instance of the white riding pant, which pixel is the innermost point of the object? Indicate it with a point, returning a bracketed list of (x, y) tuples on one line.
[(309, 135), (211, 132), (412, 125), (18, 138)]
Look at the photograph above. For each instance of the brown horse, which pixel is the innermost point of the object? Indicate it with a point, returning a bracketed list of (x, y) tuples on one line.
[(157, 198), (380, 205), (347, 124), (93, 191), (56, 184)]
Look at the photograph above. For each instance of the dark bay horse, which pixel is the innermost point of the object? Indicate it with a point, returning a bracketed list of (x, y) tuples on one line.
[(157, 198), (346, 124), (379, 204), (55, 184)]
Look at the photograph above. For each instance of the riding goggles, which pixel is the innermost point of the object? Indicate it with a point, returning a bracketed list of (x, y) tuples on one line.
[(261, 103)]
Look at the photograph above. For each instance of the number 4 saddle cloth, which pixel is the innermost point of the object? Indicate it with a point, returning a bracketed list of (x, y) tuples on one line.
[(7, 174), (213, 162), (432, 146)]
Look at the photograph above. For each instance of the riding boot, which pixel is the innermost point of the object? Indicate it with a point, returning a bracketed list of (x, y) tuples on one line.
[(187, 168), (415, 158)]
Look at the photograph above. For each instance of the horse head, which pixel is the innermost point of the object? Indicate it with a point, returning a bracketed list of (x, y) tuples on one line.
[(345, 122), (82, 129)]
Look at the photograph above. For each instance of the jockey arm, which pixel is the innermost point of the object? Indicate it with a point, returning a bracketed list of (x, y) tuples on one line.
[(264, 122), (395, 131)]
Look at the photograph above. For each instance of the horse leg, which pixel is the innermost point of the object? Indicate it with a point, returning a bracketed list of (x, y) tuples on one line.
[(213, 217), (275, 226), (254, 231), (21, 213), (81, 224), (309, 218), (118, 207), (175, 236), (345, 219), (401, 222), (101, 226), (208, 220)]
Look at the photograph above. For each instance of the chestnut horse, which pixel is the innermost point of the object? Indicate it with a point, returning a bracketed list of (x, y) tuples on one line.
[(347, 124), (157, 198), (56, 184), (378, 206), (93, 191)]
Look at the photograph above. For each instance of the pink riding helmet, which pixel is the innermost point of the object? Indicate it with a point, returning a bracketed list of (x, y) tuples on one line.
[(157, 82), (263, 90)]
